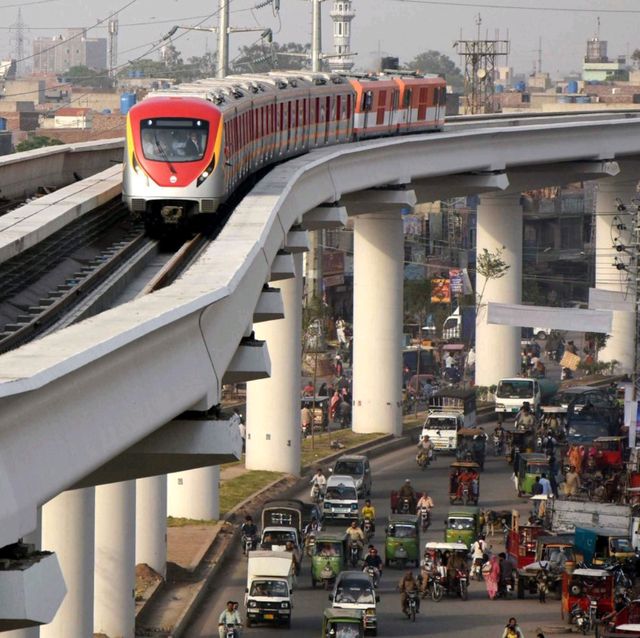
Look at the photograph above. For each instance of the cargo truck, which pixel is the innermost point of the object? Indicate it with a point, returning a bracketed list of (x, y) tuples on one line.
[(269, 591), (513, 392), (460, 326)]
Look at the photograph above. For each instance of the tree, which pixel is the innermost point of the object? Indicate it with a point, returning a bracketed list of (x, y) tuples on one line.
[(436, 62), (84, 76), (491, 266), (37, 141), (263, 57), (635, 56), (203, 66)]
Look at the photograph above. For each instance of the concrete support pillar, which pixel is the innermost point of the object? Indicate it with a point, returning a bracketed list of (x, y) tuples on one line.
[(378, 253), (273, 405), (114, 613), (499, 228), (68, 530), (195, 494), (151, 523), (608, 277)]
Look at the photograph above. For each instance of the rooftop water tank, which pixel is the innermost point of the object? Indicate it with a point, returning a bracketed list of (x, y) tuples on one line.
[(499, 88), (521, 86), (572, 86), (127, 100)]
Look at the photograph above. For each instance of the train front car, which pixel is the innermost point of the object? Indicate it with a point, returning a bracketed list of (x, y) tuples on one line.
[(173, 165)]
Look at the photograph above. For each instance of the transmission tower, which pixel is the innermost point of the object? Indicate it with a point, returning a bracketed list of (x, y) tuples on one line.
[(18, 39), (479, 70), (112, 55)]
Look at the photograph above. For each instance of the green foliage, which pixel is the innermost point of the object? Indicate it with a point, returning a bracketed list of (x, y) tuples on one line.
[(491, 266), (599, 338), (37, 141), (84, 76), (599, 367), (635, 56), (417, 299), (436, 62), (264, 57)]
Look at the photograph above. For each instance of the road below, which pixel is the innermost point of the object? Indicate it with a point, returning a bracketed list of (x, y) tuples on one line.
[(477, 617)]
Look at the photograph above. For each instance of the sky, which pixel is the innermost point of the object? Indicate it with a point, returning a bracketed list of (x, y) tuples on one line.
[(401, 28)]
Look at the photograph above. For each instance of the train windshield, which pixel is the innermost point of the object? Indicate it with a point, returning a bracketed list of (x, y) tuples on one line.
[(174, 139)]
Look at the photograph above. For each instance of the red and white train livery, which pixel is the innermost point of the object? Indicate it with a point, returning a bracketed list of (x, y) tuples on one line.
[(188, 148)]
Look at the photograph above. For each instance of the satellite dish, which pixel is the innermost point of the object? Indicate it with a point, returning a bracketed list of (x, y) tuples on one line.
[(482, 74)]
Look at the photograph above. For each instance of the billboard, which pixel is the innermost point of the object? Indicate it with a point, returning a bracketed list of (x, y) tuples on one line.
[(440, 291)]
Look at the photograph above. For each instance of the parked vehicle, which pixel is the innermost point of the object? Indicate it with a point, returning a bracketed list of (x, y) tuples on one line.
[(342, 623), (358, 467), (584, 586), (355, 590), (530, 466), (401, 545), (521, 542), (511, 393), (623, 624), (464, 482), (462, 525), (319, 407), (597, 545), (585, 427), (269, 591), (340, 499), (460, 326), (328, 558)]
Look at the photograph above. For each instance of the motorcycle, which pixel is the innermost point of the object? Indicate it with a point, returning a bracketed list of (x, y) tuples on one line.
[(354, 553), (374, 574), (405, 505), (435, 588), (583, 620), (411, 605), (465, 494), (463, 583), (422, 460), (367, 529), (476, 568), (230, 631), (317, 493), (425, 518), (248, 544), (498, 443)]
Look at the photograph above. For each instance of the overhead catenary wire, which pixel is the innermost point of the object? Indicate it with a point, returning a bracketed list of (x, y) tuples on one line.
[(517, 7)]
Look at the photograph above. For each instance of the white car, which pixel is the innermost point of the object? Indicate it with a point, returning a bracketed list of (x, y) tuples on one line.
[(340, 498)]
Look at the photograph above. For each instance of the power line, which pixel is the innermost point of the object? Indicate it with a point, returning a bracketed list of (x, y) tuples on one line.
[(26, 4), (515, 7)]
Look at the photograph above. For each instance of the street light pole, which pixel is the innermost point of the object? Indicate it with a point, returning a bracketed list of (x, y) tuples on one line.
[(223, 39)]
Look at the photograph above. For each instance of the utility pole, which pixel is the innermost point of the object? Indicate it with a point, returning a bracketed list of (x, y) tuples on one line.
[(223, 39), (316, 35), (113, 46), (18, 38)]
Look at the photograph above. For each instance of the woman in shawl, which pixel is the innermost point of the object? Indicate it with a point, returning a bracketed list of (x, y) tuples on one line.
[(491, 575), (575, 458)]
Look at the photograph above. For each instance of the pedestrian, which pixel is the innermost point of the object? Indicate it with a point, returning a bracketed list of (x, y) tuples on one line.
[(338, 367), (506, 575), (571, 482), (308, 390), (546, 485), (542, 581), (511, 630), (243, 435), (333, 405), (491, 576), (341, 331)]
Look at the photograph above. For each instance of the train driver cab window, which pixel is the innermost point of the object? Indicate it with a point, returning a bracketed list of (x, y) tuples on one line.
[(407, 98), (174, 139), (367, 100)]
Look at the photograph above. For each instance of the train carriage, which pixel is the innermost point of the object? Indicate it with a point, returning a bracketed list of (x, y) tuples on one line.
[(188, 148)]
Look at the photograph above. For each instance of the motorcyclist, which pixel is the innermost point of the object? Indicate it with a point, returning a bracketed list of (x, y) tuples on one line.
[(229, 616), (498, 438), (408, 584), (407, 491), (318, 480), (478, 551), (356, 535), (425, 449), (249, 530), (525, 419), (373, 560), (424, 501), (369, 511)]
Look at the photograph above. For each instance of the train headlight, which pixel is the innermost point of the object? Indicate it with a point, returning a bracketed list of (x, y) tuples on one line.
[(207, 171)]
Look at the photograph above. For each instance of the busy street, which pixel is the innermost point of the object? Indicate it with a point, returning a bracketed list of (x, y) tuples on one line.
[(477, 616)]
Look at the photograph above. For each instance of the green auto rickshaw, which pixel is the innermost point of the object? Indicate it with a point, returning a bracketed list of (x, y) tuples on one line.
[(402, 544), (342, 623), (328, 558), (530, 466), (462, 525)]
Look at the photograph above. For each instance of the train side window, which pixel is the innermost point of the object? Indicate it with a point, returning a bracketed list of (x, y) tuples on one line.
[(382, 107), (289, 124), (304, 113), (407, 98), (367, 100), (349, 106), (423, 100), (395, 96), (338, 107), (328, 114)]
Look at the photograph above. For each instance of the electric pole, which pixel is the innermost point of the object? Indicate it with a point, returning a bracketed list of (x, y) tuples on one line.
[(223, 39), (113, 46), (316, 35), (18, 29)]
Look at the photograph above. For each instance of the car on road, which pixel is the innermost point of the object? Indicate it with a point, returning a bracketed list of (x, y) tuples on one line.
[(358, 467), (354, 590), (340, 499)]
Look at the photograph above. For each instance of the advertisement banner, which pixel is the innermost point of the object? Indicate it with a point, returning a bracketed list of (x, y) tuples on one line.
[(456, 281), (440, 291), (332, 262)]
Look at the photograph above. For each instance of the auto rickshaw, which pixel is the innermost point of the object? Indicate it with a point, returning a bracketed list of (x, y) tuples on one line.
[(328, 558), (464, 482), (472, 445), (401, 545), (342, 623), (519, 442), (530, 466), (625, 623), (610, 451), (319, 407), (582, 586), (462, 525), (598, 545), (448, 569), (521, 541)]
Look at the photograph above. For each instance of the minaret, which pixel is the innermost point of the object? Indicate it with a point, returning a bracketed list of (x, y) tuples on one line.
[(341, 14)]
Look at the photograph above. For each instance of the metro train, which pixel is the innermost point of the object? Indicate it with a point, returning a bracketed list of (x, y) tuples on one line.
[(188, 148)]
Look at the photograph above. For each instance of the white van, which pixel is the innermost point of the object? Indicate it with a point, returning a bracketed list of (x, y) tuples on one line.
[(340, 498)]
